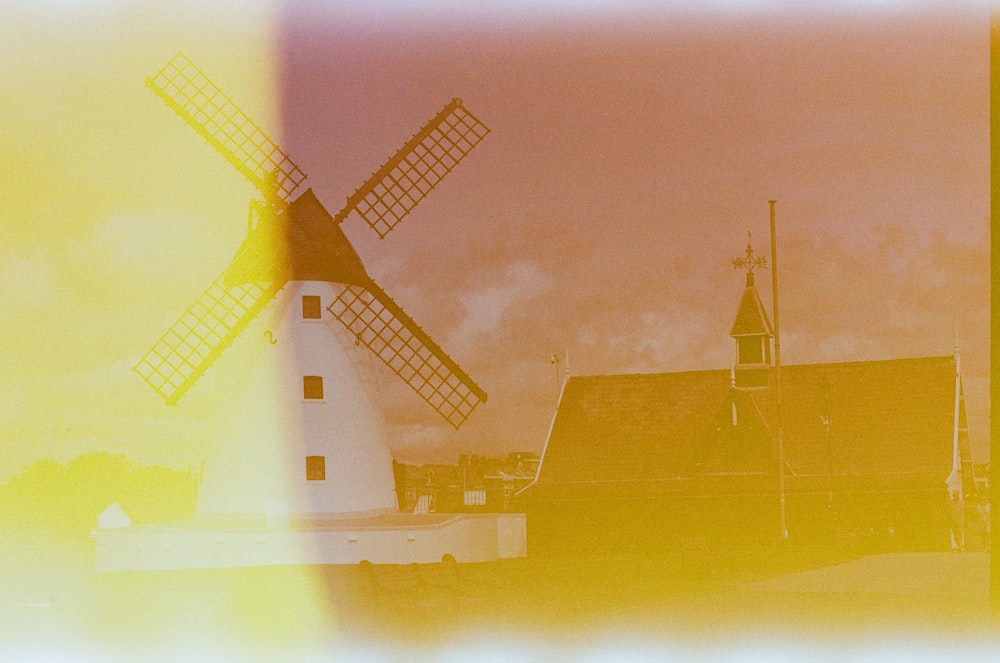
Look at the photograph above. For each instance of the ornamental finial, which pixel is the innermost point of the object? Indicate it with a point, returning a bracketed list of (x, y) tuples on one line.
[(750, 262)]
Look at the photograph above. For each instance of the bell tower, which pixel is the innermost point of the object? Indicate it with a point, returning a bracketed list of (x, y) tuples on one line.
[(751, 329)]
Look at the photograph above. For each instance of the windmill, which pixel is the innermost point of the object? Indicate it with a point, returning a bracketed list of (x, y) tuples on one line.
[(297, 264)]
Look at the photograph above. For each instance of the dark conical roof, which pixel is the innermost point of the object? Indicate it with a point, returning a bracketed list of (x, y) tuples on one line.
[(300, 243), (318, 248)]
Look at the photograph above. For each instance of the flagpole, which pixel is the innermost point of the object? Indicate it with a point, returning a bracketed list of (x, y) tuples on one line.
[(777, 375), (994, 475)]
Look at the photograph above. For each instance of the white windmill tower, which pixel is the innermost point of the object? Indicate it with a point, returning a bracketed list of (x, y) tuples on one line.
[(307, 438)]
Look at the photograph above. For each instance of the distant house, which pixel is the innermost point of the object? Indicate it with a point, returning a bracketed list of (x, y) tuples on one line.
[(875, 452), (475, 484)]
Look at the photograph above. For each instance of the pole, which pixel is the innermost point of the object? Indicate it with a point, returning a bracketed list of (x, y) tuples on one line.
[(994, 296), (827, 423), (777, 376), (554, 360)]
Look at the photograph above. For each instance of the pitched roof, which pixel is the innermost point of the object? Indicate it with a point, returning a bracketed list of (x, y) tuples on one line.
[(630, 427), (889, 419), (885, 416)]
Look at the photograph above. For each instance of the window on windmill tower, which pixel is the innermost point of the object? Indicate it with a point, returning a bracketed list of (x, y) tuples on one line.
[(311, 307), (315, 468), (312, 387)]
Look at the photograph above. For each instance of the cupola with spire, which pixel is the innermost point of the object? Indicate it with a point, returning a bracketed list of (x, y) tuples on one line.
[(752, 328)]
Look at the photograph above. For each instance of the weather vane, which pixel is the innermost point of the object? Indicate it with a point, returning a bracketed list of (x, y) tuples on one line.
[(750, 262)]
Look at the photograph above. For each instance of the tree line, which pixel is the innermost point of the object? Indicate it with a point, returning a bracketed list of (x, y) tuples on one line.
[(67, 498)]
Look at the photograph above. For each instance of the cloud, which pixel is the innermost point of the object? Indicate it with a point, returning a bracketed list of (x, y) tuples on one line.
[(896, 295), (485, 308), (29, 286), (159, 246)]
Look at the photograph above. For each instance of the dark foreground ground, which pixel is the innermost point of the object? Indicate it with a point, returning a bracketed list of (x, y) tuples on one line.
[(687, 603)]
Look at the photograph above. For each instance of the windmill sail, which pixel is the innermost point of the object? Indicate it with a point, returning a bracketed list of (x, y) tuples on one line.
[(405, 179), (384, 328), (213, 115), (201, 334)]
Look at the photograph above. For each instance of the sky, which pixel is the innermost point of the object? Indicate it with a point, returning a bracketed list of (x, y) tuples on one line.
[(631, 150)]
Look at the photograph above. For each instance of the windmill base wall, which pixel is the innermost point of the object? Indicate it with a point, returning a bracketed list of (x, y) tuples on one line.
[(390, 539)]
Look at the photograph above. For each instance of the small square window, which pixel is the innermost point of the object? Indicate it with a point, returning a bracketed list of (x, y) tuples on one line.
[(311, 307), (315, 468), (312, 386)]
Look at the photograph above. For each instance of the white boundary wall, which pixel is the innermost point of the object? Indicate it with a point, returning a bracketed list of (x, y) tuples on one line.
[(468, 537)]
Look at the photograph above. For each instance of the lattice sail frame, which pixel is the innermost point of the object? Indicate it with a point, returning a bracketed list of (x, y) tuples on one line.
[(413, 172), (213, 115), (201, 334), (384, 328)]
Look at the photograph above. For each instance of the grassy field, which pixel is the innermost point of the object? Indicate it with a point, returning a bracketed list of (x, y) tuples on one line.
[(53, 600)]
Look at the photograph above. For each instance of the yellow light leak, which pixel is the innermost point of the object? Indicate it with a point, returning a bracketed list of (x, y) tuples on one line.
[(115, 216)]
